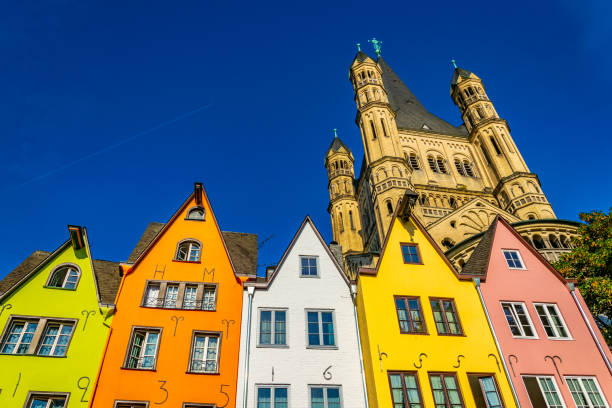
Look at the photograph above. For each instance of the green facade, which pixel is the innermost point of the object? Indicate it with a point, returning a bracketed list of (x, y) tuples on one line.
[(75, 373)]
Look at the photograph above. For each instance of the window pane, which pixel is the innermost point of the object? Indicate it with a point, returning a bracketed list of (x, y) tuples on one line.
[(577, 394), (265, 327), (438, 318), (490, 391), (57, 279), (402, 314), (263, 398), (316, 398), (333, 398), (561, 332), (328, 328), (512, 323), (280, 397), (279, 327), (313, 329), (152, 295)]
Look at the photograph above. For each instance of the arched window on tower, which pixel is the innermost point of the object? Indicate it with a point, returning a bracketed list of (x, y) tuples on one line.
[(432, 164), (538, 242), (384, 128), (459, 167), (565, 242), (554, 241), (495, 145), (389, 208), (413, 161), (481, 112), (351, 220), (341, 221), (441, 165), (448, 243), (373, 129), (452, 202), (468, 168), (423, 199)]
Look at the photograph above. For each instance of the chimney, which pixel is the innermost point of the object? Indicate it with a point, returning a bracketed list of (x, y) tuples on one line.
[(270, 271)]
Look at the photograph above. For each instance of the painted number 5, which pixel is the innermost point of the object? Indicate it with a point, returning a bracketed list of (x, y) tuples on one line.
[(227, 397)]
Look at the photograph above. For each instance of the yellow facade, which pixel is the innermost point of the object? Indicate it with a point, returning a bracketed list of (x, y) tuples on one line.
[(387, 350)]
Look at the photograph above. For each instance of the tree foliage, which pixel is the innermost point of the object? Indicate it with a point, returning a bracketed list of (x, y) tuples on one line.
[(590, 262)]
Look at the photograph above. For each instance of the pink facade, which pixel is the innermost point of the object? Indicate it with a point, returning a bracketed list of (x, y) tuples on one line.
[(566, 349)]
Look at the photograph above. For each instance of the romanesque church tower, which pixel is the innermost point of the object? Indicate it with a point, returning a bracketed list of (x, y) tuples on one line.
[(464, 175)]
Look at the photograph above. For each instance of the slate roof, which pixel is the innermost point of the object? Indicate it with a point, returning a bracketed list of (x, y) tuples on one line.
[(411, 114), (336, 144), (22, 270), (106, 274), (460, 72), (108, 279), (242, 248), (478, 264), (360, 56)]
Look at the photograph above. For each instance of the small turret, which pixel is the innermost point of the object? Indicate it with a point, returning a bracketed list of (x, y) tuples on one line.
[(343, 207)]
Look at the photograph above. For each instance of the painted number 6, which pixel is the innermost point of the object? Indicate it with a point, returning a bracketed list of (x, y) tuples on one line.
[(327, 373)]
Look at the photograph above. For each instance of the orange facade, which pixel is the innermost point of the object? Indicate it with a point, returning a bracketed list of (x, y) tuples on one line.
[(176, 333)]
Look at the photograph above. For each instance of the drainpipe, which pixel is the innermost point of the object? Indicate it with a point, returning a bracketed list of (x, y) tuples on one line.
[(251, 292), (572, 287), (484, 306), (363, 382)]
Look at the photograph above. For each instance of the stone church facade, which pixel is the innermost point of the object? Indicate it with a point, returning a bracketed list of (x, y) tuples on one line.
[(463, 175)]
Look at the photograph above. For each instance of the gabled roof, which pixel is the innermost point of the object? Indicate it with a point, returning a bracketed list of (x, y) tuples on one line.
[(360, 57), (263, 282), (106, 273), (242, 248), (22, 270), (411, 114), (478, 264), (461, 73), (399, 208)]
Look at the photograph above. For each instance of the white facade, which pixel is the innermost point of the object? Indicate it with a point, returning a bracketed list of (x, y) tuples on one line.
[(297, 365)]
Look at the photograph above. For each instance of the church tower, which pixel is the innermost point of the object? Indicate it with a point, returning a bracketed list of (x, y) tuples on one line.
[(386, 168), (343, 207), (515, 187)]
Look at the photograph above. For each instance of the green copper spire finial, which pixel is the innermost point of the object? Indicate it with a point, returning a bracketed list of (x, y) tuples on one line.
[(358, 47), (454, 63), (336, 130), (376, 45)]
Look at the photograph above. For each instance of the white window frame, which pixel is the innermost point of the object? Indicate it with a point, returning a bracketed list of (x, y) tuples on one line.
[(273, 328), (273, 388), (190, 303), (215, 288), (141, 356), (554, 382), (149, 301), (63, 285), (46, 395), (132, 404), (584, 391), (325, 387), (191, 243), (193, 210), (54, 345), (516, 318), (554, 328), (518, 253), (316, 258), (320, 322), (170, 291), (207, 336)]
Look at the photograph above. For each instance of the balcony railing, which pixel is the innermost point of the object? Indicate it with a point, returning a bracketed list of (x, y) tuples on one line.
[(366, 81), (173, 304), (475, 98), (340, 172)]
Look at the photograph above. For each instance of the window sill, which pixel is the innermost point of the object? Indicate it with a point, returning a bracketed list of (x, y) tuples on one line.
[(56, 288), (202, 373), (31, 355), (178, 308), (310, 276), (560, 338), (139, 369), (189, 262), (415, 333), (193, 219), (322, 347), (278, 346), (451, 335), (525, 338)]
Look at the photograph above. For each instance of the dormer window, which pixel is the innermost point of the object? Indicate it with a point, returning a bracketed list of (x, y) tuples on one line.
[(64, 277), (513, 259), (188, 251), (196, 213)]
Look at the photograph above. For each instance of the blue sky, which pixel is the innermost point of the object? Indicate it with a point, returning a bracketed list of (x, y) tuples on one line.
[(97, 106)]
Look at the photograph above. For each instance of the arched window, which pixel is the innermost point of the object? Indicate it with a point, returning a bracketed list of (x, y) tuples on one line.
[(495, 145), (196, 213), (351, 220), (65, 277), (448, 243), (432, 164), (389, 208), (189, 250), (423, 199), (554, 241), (452, 202), (413, 161), (459, 167), (384, 128), (373, 130), (441, 165), (468, 168), (341, 219), (481, 112), (538, 242), (505, 198), (531, 216), (565, 242), (346, 187)]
